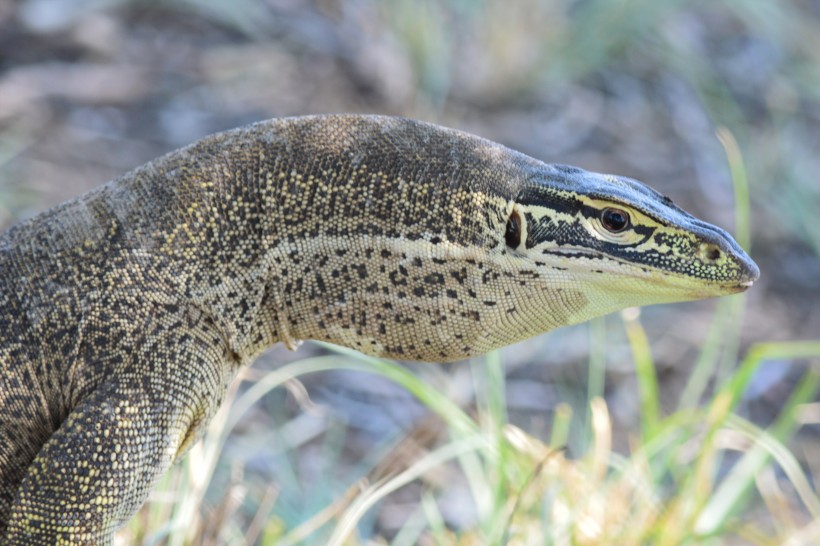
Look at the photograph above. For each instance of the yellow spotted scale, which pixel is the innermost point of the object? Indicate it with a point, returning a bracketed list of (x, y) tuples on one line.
[(126, 313)]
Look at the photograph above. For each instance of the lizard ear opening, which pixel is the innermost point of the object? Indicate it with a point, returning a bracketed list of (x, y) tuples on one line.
[(515, 227)]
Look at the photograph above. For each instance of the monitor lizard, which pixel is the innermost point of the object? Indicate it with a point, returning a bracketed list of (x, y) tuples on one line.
[(126, 313)]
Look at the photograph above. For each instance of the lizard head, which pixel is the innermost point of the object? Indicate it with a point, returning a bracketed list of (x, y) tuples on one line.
[(599, 243)]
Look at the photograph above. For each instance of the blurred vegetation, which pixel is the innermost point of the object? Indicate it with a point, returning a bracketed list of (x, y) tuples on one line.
[(714, 103)]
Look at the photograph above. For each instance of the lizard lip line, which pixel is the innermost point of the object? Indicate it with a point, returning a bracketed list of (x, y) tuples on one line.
[(592, 254)]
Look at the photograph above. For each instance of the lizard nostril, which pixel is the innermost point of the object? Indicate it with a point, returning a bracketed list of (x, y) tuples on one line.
[(709, 252)]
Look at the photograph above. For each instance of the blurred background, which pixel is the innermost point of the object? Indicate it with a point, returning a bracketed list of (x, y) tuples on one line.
[(89, 89)]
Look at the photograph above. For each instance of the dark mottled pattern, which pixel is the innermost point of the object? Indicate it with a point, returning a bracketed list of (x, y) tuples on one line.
[(125, 313)]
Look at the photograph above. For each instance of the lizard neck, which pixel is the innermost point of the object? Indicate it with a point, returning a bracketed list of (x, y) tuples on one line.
[(293, 233)]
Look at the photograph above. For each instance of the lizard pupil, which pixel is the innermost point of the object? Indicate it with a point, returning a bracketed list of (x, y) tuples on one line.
[(513, 234), (615, 220)]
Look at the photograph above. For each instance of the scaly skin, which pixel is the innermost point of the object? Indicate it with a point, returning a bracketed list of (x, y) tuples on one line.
[(126, 313)]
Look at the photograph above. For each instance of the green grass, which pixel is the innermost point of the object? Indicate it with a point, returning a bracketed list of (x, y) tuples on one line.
[(665, 491)]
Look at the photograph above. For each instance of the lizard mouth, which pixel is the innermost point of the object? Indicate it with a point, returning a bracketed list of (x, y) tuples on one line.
[(749, 272), (739, 287)]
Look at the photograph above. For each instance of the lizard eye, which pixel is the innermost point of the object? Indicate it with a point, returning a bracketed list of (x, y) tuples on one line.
[(513, 234), (614, 220)]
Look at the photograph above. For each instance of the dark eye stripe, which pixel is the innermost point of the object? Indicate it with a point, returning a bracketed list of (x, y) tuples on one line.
[(541, 229)]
